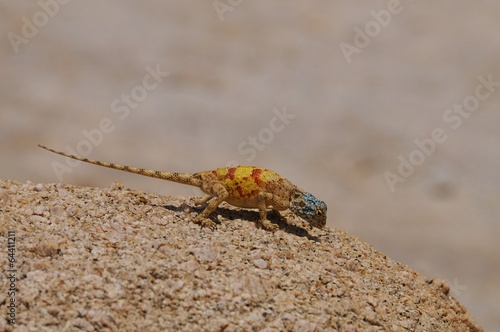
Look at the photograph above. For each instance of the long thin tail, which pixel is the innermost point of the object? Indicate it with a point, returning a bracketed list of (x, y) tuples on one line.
[(184, 178)]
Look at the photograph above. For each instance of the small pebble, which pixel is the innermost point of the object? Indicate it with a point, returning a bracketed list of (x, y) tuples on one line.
[(39, 209), (35, 218), (260, 263)]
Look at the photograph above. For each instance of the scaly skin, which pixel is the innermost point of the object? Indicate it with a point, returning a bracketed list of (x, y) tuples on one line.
[(241, 186)]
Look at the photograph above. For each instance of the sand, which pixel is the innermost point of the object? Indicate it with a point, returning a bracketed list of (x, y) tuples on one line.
[(90, 259)]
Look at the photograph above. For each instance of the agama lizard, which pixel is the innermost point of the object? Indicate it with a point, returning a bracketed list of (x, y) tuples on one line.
[(241, 186)]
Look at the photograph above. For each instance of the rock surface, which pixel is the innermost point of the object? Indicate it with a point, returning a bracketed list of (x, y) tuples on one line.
[(92, 259)]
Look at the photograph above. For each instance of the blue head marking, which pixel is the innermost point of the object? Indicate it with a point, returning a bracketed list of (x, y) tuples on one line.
[(309, 208)]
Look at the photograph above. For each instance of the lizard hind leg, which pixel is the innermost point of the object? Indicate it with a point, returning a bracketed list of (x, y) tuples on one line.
[(203, 200), (215, 200)]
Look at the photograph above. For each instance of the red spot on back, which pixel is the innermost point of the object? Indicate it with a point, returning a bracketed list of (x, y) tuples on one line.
[(256, 172), (230, 172)]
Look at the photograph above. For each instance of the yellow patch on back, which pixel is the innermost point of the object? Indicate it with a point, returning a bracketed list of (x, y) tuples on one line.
[(245, 181)]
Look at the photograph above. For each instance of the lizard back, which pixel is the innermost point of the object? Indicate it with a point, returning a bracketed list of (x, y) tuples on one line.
[(244, 183)]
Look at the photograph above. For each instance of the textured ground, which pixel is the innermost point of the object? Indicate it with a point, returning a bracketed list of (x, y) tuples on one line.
[(117, 259)]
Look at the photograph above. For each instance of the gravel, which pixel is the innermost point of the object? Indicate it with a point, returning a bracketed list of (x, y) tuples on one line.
[(90, 259)]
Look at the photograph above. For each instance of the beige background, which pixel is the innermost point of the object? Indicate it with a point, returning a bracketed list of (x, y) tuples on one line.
[(229, 71)]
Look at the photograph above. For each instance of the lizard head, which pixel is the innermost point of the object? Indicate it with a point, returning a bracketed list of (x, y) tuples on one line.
[(309, 208)]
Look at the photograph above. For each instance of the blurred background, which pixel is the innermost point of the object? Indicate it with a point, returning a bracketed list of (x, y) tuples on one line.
[(330, 94)]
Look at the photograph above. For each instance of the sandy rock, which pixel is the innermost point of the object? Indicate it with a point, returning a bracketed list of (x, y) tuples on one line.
[(119, 259)]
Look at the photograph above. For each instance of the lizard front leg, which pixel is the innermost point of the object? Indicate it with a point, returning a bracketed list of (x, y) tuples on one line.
[(277, 203), (220, 195)]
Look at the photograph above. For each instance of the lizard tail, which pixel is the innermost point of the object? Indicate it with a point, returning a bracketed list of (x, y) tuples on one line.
[(184, 178)]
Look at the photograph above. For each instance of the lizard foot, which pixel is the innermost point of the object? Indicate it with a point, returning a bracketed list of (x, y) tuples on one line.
[(269, 225), (205, 222)]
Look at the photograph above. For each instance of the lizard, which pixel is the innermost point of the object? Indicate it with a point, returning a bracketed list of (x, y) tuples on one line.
[(240, 186)]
